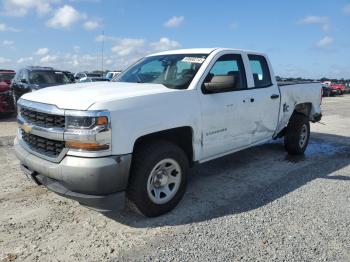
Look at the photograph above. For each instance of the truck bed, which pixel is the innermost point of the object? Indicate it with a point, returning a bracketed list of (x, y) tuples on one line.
[(294, 93)]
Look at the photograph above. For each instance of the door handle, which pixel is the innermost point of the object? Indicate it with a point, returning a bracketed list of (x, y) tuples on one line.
[(274, 96)]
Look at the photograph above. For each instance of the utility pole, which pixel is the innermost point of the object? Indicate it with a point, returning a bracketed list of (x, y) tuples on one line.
[(102, 48)]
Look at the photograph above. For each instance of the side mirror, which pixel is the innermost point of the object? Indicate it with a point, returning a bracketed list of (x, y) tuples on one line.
[(220, 84), (24, 81)]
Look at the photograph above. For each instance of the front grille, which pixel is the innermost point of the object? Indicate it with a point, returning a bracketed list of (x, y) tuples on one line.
[(43, 119), (48, 147)]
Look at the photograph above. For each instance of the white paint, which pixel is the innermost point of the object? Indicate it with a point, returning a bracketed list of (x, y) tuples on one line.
[(221, 123)]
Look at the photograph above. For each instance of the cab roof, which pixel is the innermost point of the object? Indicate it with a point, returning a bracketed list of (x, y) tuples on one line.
[(205, 51), (7, 71)]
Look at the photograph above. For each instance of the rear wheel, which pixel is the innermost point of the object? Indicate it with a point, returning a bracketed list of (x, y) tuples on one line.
[(158, 178), (297, 134)]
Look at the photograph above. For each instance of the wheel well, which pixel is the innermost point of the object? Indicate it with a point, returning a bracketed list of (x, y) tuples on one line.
[(181, 136), (304, 108)]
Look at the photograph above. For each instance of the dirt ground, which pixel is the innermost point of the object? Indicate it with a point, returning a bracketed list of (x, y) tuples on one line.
[(255, 205)]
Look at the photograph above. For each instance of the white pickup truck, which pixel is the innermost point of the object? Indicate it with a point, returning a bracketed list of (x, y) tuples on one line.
[(136, 137)]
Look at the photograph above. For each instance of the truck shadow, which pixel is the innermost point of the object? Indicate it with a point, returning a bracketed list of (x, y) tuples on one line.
[(7, 118), (248, 180)]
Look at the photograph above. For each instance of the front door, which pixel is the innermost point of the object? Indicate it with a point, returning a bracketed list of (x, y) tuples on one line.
[(224, 125)]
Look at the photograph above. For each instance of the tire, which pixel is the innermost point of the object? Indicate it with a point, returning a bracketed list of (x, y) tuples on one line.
[(297, 134), (150, 191)]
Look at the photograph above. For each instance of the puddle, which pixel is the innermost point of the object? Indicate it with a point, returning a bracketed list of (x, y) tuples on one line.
[(313, 149)]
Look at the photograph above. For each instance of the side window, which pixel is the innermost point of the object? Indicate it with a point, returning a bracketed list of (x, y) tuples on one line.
[(260, 70), (25, 75), (228, 68)]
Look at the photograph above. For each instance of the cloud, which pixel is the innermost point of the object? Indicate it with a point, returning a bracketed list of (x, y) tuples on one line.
[(91, 25), (347, 9), (23, 60), (323, 21), (4, 28), (48, 59), (120, 53), (174, 21), (164, 44), (4, 60), (8, 43), (109, 61), (65, 17), (22, 7), (42, 51), (325, 41), (125, 46), (105, 38), (76, 48), (314, 20)]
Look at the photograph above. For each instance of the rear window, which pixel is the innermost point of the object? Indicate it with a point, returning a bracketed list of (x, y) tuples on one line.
[(260, 70), (6, 76)]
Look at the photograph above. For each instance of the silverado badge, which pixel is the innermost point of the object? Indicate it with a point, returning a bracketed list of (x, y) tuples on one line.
[(26, 128)]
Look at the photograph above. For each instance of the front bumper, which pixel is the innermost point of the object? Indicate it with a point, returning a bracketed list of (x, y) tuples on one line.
[(98, 183)]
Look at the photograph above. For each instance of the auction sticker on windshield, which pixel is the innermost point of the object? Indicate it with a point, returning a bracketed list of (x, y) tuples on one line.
[(189, 59)]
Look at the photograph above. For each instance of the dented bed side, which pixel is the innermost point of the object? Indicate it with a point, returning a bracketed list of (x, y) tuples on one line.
[(299, 97)]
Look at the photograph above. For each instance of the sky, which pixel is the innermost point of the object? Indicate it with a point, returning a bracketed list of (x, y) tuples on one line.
[(306, 38)]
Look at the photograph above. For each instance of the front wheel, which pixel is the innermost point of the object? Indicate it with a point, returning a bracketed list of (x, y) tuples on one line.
[(158, 178), (297, 134)]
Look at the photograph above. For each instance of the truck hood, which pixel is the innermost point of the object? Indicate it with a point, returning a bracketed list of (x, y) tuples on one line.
[(81, 96)]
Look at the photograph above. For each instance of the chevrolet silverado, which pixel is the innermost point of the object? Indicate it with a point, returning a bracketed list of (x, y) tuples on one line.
[(136, 137)]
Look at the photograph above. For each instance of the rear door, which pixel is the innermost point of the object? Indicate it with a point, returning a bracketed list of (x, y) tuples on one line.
[(264, 98)]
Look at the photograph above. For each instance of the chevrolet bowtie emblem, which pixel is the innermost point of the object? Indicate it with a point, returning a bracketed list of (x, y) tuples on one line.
[(26, 128)]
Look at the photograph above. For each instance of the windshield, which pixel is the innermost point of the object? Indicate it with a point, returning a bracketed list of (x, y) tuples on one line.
[(48, 77), (6, 76), (173, 71), (109, 75)]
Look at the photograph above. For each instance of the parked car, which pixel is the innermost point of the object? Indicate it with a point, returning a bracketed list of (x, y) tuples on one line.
[(33, 78), (110, 75), (80, 75), (326, 90), (347, 89), (138, 136), (6, 103), (338, 89), (70, 76), (92, 79)]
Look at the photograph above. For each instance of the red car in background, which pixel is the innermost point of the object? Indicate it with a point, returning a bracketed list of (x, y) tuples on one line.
[(338, 89), (6, 101)]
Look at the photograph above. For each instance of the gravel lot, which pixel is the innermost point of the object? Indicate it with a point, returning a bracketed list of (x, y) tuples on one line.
[(256, 205)]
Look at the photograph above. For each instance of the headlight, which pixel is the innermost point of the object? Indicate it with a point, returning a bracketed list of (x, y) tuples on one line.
[(88, 130), (81, 122)]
